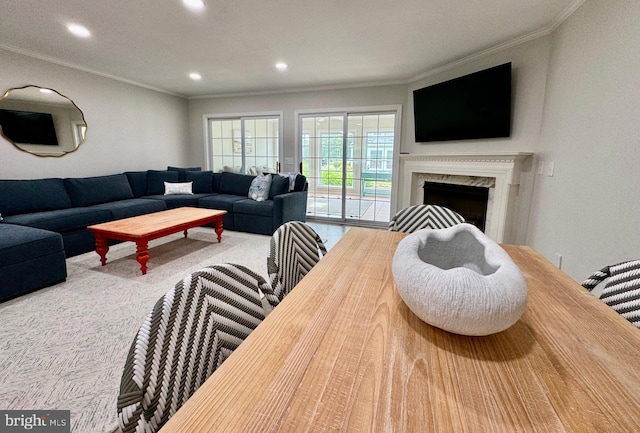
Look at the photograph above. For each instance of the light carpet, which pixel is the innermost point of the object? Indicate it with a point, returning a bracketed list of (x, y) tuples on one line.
[(64, 347)]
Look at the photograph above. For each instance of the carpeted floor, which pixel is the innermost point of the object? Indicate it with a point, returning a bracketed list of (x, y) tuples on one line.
[(64, 347)]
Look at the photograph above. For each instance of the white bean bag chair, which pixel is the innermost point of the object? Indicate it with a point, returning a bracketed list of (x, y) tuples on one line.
[(459, 280)]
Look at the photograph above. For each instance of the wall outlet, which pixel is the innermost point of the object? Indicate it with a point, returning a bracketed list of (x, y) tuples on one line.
[(550, 167), (559, 260), (540, 167)]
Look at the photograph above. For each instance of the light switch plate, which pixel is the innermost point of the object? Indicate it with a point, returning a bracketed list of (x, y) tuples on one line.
[(550, 167)]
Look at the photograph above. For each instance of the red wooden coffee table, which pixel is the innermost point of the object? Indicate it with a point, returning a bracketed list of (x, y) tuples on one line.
[(141, 229)]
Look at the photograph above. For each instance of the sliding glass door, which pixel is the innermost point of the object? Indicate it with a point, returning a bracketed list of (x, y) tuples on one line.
[(348, 160)]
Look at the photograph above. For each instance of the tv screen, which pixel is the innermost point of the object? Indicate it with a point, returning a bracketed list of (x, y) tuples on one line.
[(28, 127), (474, 106)]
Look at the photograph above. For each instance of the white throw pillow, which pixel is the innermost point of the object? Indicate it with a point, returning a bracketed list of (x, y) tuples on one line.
[(171, 188), (260, 185)]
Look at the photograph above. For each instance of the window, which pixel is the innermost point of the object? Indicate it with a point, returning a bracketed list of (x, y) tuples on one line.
[(244, 144)]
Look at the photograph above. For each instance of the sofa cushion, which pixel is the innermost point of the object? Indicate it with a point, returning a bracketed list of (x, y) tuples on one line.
[(138, 182), (178, 200), (300, 184), (182, 170), (62, 220), (235, 184), (253, 207), (202, 181), (37, 195), (220, 201), (156, 180), (20, 244), (88, 191), (279, 185), (132, 207), (217, 178)]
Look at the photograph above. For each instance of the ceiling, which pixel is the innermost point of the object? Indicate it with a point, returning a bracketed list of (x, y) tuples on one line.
[(234, 45)]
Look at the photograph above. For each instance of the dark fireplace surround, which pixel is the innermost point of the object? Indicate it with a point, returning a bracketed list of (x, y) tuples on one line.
[(469, 201)]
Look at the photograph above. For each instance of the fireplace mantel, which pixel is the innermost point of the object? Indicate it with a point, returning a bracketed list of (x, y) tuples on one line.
[(503, 167)]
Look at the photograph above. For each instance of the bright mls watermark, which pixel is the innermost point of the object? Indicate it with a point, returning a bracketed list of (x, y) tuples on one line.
[(37, 421)]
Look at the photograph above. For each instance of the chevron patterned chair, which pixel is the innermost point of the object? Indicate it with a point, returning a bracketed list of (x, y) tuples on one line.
[(622, 290), (295, 249), (424, 216), (189, 332)]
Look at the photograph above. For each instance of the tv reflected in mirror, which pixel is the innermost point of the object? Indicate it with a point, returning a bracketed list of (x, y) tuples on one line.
[(28, 127)]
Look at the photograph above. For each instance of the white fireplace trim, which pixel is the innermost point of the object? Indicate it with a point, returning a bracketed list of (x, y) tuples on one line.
[(503, 167)]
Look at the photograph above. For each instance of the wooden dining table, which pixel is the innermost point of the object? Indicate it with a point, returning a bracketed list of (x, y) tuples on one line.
[(343, 353)]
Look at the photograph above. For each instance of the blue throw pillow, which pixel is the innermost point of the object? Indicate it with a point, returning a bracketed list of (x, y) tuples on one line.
[(259, 189)]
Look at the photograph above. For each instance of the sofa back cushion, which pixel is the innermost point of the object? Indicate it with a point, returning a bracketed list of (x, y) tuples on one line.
[(87, 191), (35, 195), (157, 178), (300, 183), (235, 184), (182, 171), (217, 178), (138, 182), (202, 181), (279, 185)]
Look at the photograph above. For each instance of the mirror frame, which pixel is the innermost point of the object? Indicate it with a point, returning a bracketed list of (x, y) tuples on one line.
[(41, 154)]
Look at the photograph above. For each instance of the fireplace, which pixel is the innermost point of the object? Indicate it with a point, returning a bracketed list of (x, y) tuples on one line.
[(469, 201), (499, 173)]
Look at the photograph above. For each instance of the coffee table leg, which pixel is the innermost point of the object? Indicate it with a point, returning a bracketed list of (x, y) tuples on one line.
[(219, 229), (142, 256), (102, 247), (185, 233)]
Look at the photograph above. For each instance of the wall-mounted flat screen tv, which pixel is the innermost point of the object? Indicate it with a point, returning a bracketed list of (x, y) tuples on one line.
[(28, 127), (474, 106)]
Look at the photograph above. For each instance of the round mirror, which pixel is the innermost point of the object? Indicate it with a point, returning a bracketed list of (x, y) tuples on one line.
[(41, 121)]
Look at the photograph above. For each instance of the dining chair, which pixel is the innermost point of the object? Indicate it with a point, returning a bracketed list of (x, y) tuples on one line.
[(295, 248), (189, 332), (622, 289), (424, 216)]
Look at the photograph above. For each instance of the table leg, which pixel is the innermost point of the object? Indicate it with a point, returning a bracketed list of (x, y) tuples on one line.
[(219, 228), (185, 233), (142, 256), (102, 247)]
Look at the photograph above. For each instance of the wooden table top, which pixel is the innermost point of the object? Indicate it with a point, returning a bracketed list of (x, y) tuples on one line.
[(158, 222), (344, 353)]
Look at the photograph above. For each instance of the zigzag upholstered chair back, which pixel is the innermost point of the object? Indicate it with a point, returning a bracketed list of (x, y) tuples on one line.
[(189, 332), (295, 249), (622, 291), (424, 216)]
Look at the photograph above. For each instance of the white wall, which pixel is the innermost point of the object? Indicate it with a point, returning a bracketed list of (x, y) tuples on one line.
[(589, 210), (129, 127), (287, 103)]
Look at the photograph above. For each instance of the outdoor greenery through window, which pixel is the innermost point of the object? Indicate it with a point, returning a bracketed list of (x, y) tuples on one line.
[(244, 144), (348, 161)]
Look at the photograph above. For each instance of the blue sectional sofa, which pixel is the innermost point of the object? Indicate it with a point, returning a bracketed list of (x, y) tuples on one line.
[(45, 220)]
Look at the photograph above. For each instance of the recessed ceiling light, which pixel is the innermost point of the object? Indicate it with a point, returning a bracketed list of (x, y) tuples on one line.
[(195, 76), (194, 4), (79, 31), (281, 66), (46, 90)]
